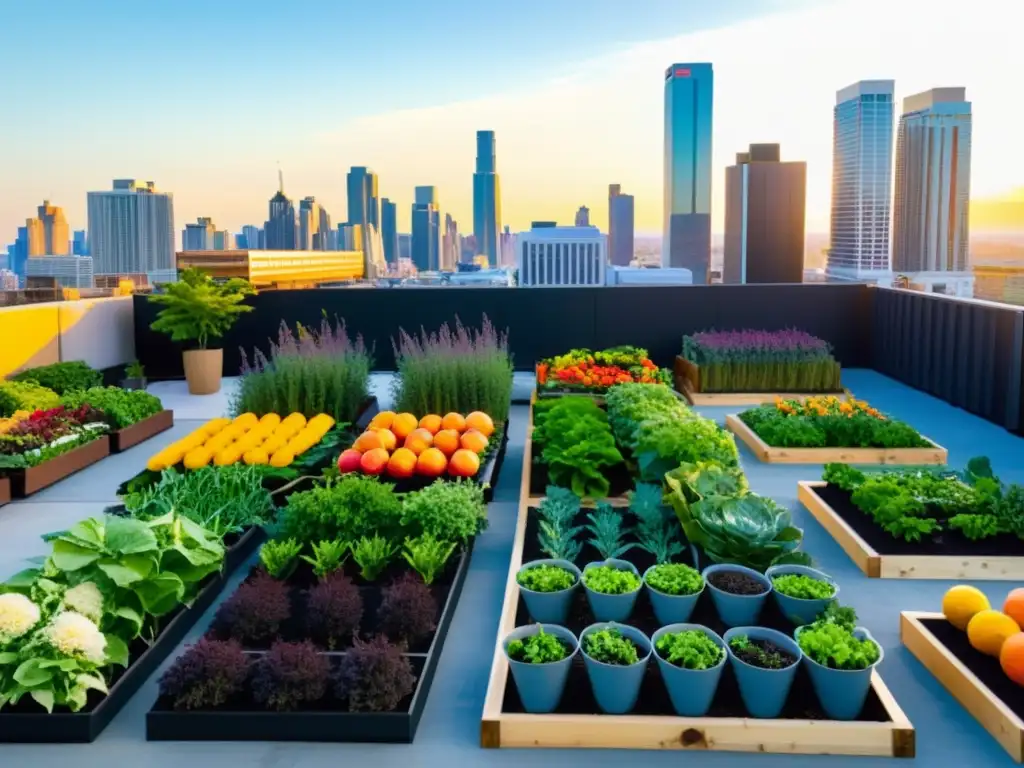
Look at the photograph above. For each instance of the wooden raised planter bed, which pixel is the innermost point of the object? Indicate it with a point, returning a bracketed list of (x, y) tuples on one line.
[(687, 380), (886, 732), (852, 529), (164, 723), (123, 439), (25, 482), (770, 454), (5, 490), (974, 680)]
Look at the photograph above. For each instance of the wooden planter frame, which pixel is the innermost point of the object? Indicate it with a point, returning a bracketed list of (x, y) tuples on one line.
[(25, 482), (686, 376), (498, 729), (5, 490), (123, 439), (878, 566), (984, 706), (772, 455)]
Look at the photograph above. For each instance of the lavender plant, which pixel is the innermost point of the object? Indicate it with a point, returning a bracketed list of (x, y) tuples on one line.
[(307, 371), (762, 361), (460, 370)]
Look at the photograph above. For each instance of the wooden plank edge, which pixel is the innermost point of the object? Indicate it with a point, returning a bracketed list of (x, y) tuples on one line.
[(953, 568), (1001, 722), (754, 399), (858, 550)]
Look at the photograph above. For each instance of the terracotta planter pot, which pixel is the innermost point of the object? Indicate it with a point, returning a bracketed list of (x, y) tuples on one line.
[(203, 369)]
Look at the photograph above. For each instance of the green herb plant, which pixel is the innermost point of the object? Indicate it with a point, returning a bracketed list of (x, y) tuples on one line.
[(675, 579), (121, 407), (372, 554), (802, 587), (454, 511), (610, 646), (134, 370), (690, 649), (427, 555), (834, 645), (541, 648), (741, 644), (606, 531), (25, 396), (280, 556), (545, 578), (657, 530), (63, 377), (197, 309), (346, 509), (558, 536), (327, 557), (608, 580), (575, 442)]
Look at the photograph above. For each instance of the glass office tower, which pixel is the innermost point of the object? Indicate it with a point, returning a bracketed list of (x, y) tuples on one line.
[(689, 93), (862, 139), (486, 198)]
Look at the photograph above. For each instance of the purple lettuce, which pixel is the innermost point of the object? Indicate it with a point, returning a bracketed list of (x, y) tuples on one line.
[(206, 675)]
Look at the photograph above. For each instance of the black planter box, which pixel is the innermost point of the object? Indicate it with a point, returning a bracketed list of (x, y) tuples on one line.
[(163, 723), (82, 727)]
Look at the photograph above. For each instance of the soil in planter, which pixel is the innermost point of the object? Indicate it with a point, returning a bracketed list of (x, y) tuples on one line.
[(754, 655), (944, 543), (985, 668), (618, 476), (736, 583), (329, 703)]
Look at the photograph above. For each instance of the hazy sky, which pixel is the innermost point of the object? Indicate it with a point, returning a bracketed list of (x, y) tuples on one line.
[(205, 98)]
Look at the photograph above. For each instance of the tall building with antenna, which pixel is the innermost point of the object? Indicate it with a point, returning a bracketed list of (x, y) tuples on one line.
[(281, 232), (486, 198)]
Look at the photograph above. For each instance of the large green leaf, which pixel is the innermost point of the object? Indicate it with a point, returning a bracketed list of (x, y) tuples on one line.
[(127, 570), (160, 594), (127, 536), (43, 698), (116, 650), (68, 556), (88, 532), (32, 674)]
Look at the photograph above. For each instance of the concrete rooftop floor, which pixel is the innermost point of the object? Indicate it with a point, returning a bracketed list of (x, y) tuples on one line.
[(449, 730)]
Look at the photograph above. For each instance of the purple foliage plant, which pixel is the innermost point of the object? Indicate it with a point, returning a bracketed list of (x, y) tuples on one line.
[(206, 675), (375, 676), (334, 609), (290, 675), (255, 612), (408, 610)]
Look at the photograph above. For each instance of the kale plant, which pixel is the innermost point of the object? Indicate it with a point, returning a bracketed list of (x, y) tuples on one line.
[(334, 609), (657, 528), (374, 676), (408, 610), (290, 675), (606, 531), (206, 675), (256, 610), (557, 536)]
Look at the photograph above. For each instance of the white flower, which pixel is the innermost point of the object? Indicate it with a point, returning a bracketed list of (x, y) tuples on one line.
[(18, 615), (75, 635), (87, 599)]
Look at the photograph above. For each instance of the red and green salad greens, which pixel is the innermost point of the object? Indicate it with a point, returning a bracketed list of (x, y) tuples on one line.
[(587, 371), (762, 361)]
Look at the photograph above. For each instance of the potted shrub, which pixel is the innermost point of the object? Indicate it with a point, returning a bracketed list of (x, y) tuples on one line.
[(195, 310), (674, 589), (801, 593), (690, 658), (616, 657), (547, 587), (738, 593), (134, 376), (840, 658), (765, 663), (540, 656), (612, 587)]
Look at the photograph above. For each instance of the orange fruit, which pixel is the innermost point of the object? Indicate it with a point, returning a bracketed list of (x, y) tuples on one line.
[(349, 461), (431, 423), (402, 463), (368, 441), (988, 630), (1014, 605), (960, 604), (481, 422), (403, 424), (474, 441), (448, 441), (464, 463), (374, 461), (431, 463), (454, 421), (382, 420), (387, 439), (418, 441), (1011, 658)]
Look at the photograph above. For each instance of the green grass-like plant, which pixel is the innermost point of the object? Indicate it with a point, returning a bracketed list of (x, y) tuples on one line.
[(689, 649), (675, 579), (327, 557), (611, 581), (545, 578)]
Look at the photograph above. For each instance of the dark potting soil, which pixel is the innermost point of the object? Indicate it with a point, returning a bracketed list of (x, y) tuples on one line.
[(947, 542), (578, 698), (736, 583), (329, 703), (618, 477), (985, 668), (756, 654)]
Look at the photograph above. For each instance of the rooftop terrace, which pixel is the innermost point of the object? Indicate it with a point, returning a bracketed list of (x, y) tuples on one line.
[(449, 731)]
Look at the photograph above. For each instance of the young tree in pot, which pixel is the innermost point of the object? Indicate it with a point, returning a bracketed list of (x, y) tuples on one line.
[(616, 657), (195, 310), (134, 376), (540, 657)]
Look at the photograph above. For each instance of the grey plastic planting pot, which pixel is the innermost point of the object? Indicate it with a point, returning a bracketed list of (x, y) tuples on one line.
[(672, 609), (541, 686), (842, 692), (616, 687), (764, 691), (612, 607), (798, 610), (549, 607), (691, 690), (737, 610)]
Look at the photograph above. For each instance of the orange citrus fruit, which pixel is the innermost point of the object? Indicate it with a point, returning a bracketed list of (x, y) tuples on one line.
[(988, 630), (481, 422), (431, 463), (1011, 658), (368, 441), (403, 424), (464, 463), (1014, 605), (431, 422), (474, 441), (447, 440), (387, 439), (960, 604), (454, 421), (382, 420)]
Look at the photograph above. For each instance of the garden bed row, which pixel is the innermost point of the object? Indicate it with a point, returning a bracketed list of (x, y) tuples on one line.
[(687, 379)]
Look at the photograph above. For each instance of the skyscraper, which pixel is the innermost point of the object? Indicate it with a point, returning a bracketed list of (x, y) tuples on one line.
[(311, 214), (613, 190), (363, 199), (19, 255), (689, 94), (583, 216), (254, 238), (862, 181), (80, 245), (426, 230), (450, 243), (35, 237), (54, 229), (620, 228), (486, 198), (933, 178), (280, 231), (389, 230), (765, 204), (199, 236), (131, 229)]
